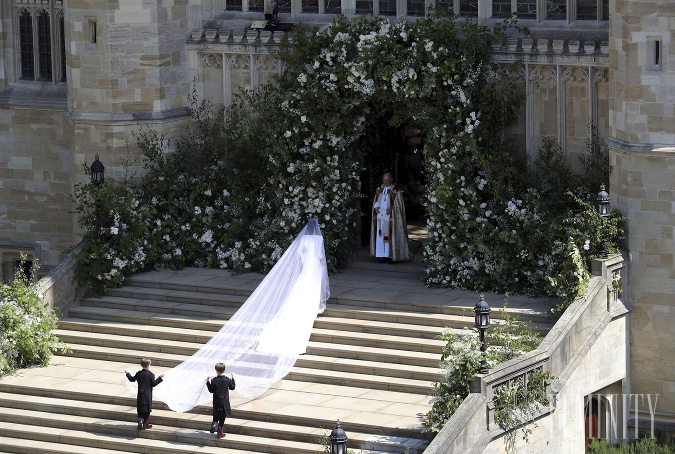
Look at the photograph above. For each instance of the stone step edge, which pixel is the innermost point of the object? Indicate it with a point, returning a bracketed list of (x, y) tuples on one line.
[(281, 418), (353, 337), (100, 435), (339, 300), (439, 321), (167, 418), (296, 374), (28, 446), (313, 348), (309, 361)]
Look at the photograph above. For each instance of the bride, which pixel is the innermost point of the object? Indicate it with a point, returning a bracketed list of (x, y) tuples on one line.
[(262, 340)]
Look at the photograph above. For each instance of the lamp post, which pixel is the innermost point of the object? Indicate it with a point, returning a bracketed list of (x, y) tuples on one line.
[(338, 440), (482, 311), (97, 170), (602, 205)]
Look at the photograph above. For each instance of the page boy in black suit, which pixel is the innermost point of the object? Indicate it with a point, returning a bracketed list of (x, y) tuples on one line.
[(220, 386), (146, 381)]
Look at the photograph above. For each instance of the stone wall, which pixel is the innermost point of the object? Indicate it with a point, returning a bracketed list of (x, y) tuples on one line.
[(642, 155), (601, 371), (36, 180)]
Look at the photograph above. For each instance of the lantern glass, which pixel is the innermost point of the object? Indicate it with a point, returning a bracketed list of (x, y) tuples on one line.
[(485, 320)]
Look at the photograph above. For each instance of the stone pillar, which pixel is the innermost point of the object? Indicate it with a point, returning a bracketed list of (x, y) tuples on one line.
[(642, 186)]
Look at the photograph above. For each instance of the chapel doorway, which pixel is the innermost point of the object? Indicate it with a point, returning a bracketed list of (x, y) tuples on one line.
[(399, 151)]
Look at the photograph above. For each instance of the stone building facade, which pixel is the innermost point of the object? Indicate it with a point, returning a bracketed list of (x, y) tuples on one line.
[(79, 77)]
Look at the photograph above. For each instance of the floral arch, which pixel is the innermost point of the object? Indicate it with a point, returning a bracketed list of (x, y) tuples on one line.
[(234, 196)]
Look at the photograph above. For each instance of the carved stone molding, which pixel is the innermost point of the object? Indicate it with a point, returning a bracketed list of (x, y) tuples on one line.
[(601, 75), (575, 73), (239, 61), (544, 72), (211, 60), (266, 63)]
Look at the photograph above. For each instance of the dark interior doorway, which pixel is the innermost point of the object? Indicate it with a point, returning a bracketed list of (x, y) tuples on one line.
[(398, 150)]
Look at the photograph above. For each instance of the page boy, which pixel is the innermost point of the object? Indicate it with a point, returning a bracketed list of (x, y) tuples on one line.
[(146, 381), (220, 386)]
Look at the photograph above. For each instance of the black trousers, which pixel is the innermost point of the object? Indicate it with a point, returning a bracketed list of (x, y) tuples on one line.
[(220, 419)]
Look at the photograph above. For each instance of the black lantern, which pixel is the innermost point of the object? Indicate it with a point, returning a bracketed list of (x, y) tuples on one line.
[(97, 171), (338, 440), (482, 311), (602, 204)]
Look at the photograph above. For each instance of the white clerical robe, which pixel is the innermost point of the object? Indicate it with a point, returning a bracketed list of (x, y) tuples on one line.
[(383, 219)]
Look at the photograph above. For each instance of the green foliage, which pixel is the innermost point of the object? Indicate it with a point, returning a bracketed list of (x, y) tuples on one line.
[(461, 358), (26, 324), (642, 446)]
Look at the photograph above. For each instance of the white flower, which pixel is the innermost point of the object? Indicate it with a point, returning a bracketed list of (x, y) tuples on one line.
[(114, 230), (225, 193), (287, 134), (207, 193), (302, 78), (177, 251), (587, 245), (198, 210), (303, 118)]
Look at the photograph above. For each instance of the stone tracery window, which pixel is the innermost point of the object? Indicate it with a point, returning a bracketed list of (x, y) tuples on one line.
[(468, 8), (527, 9), (26, 45), (501, 8), (44, 46), (556, 9), (40, 41), (387, 7)]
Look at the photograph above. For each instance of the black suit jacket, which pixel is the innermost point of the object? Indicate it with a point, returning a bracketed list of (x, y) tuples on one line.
[(220, 386), (146, 381)]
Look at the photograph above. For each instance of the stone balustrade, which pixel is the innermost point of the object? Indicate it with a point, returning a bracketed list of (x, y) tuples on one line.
[(473, 425)]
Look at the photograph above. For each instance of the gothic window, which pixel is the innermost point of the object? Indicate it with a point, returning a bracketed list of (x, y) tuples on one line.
[(387, 7), (63, 49), (527, 9), (333, 6), (233, 5), (587, 9), (255, 5), (26, 43), (468, 8), (415, 7), (556, 9), (501, 8), (364, 7), (445, 6), (44, 46), (310, 6), (284, 6)]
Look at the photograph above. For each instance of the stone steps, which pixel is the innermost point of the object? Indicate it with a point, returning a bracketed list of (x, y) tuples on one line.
[(66, 394), (143, 329), (370, 362), (105, 413)]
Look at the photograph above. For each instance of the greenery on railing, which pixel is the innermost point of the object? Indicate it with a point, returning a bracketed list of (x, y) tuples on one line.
[(26, 324), (642, 446), (508, 338)]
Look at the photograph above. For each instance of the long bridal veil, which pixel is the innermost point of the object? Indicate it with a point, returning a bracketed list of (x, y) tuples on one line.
[(262, 340)]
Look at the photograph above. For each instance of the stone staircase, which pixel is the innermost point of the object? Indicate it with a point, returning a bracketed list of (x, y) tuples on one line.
[(371, 362)]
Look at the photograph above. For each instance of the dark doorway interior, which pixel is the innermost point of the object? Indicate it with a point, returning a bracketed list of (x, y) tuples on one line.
[(397, 150)]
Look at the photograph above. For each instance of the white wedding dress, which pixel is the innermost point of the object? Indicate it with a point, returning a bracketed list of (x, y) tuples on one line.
[(262, 340)]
